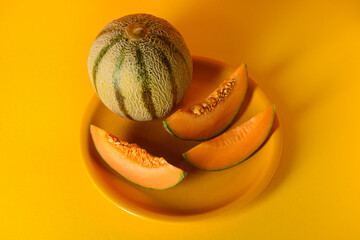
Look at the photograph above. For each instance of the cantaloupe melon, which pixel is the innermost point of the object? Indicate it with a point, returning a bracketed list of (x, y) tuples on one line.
[(233, 146), (211, 117), (135, 163), (140, 67)]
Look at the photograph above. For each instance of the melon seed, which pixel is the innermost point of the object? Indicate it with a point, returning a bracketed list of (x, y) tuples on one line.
[(212, 101), (197, 109), (204, 105)]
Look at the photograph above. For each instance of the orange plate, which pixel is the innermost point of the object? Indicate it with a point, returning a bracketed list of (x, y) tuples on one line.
[(200, 194)]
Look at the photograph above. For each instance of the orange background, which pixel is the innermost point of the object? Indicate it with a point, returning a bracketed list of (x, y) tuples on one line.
[(304, 54)]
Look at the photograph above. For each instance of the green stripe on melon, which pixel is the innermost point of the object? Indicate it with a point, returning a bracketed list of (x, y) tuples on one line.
[(101, 55), (170, 45), (144, 78), (140, 67), (116, 80)]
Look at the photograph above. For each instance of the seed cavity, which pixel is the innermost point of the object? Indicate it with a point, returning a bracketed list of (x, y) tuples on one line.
[(209, 104), (136, 153)]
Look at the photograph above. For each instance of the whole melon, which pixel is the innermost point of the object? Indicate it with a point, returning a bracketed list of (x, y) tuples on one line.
[(140, 67)]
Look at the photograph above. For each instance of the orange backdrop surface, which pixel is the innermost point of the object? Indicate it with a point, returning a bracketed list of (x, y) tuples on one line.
[(304, 55)]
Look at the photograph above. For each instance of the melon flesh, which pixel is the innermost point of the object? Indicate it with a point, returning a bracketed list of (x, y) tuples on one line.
[(187, 125), (234, 146), (126, 161)]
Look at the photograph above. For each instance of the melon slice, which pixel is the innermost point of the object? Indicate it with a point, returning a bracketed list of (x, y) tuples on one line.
[(134, 163), (234, 146), (211, 117)]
